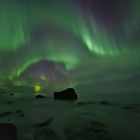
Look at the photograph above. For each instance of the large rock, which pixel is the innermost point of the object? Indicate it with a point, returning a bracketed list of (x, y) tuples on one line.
[(68, 94), (39, 96)]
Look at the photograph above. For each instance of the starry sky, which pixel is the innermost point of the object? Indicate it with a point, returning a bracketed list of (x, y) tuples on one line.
[(92, 44)]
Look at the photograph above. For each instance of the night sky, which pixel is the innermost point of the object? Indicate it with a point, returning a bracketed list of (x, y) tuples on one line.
[(89, 44)]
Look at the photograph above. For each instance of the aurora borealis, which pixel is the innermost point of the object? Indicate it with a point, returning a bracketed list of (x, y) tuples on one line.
[(70, 42)]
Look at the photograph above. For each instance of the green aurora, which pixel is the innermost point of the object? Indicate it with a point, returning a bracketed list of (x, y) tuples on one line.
[(67, 32)]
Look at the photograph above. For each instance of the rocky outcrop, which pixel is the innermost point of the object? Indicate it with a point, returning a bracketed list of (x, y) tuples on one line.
[(39, 96), (68, 94)]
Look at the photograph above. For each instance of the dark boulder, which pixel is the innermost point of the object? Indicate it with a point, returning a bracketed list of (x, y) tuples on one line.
[(39, 96), (68, 94), (105, 103)]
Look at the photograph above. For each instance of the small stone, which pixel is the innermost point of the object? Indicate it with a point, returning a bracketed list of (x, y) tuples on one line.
[(21, 115), (133, 108), (18, 111), (9, 102), (45, 123), (90, 102), (81, 103), (129, 107), (39, 96), (84, 103), (4, 114), (105, 103)]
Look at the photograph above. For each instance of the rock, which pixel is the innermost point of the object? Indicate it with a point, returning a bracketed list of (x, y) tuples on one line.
[(21, 115), (129, 107), (105, 103), (18, 111), (9, 102), (68, 94), (81, 103), (85, 103), (133, 108), (45, 123), (39, 96), (8, 131), (4, 114)]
